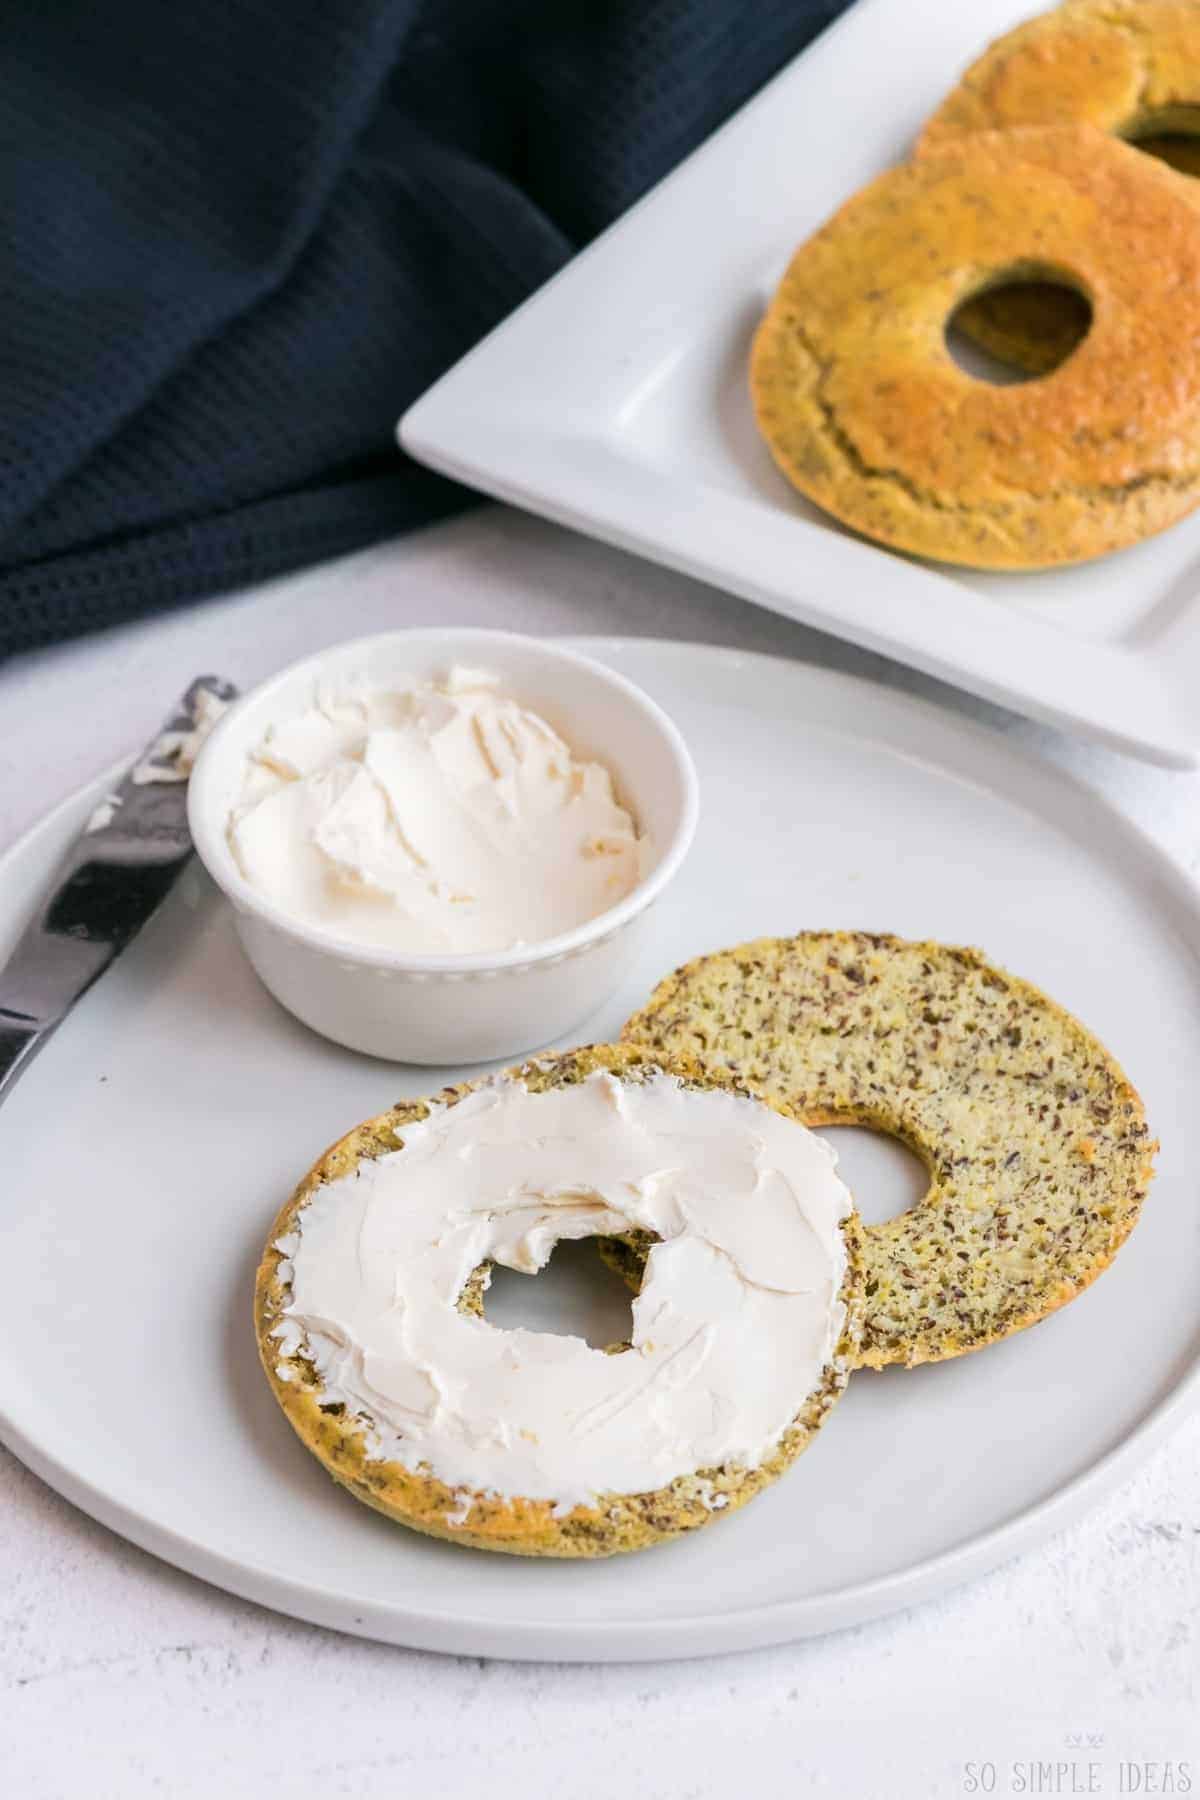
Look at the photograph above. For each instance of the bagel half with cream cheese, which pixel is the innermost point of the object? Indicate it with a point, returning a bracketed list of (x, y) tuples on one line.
[(369, 1304)]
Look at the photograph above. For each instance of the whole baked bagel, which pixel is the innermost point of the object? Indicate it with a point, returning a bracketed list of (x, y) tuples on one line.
[(1127, 67), (867, 413), (408, 1386), (1036, 1144)]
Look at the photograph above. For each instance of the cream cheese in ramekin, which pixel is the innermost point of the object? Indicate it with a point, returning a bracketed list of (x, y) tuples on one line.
[(433, 817)]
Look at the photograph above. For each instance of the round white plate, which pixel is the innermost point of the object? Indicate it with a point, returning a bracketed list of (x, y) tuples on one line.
[(148, 1148)]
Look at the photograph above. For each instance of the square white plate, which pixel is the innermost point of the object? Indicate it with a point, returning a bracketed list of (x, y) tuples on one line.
[(615, 402)]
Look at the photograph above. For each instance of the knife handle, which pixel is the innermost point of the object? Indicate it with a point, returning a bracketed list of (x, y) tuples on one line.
[(20, 1040)]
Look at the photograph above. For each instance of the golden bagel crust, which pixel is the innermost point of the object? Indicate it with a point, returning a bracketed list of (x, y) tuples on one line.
[(517, 1525), (1036, 1144), (867, 413), (1128, 67)]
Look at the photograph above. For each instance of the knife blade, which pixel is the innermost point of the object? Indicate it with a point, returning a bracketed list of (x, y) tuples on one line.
[(111, 881)]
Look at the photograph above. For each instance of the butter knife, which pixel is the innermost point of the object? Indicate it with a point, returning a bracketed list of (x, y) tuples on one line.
[(112, 879)]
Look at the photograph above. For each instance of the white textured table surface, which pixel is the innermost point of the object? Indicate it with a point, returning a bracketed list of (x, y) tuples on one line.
[(1074, 1670)]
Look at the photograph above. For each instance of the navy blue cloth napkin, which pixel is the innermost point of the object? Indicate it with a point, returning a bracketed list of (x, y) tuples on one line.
[(238, 237)]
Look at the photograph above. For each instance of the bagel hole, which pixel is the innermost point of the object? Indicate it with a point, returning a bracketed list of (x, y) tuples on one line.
[(1171, 135), (1019, 327), (884, 1176), (575, 1295)]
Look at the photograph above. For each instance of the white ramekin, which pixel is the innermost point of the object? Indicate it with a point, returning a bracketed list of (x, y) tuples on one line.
[(454, 1009)]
